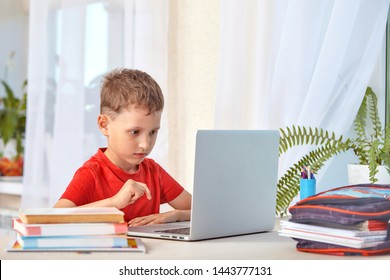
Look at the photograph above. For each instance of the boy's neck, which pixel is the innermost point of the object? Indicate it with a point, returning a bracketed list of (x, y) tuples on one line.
[(131, 169)]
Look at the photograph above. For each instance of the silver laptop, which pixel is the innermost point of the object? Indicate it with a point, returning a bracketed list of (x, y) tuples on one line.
[(234, 190)]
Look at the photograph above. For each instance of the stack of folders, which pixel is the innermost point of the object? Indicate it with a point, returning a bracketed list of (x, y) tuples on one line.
[(73, 229), (363, 235)]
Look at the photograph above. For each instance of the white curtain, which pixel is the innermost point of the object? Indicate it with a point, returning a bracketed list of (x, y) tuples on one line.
[(72, 43), (297, 62)]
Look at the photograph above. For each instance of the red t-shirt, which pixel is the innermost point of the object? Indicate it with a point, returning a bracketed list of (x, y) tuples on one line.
[(99, 179)]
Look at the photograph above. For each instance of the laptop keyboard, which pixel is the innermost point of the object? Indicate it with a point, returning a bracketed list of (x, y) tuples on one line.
[(184, 231)]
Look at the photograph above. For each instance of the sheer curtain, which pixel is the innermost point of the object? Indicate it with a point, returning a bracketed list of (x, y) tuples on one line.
[(296, 62), (72, 43)]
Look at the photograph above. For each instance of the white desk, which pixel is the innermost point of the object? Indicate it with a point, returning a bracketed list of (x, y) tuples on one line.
[(263, 246)]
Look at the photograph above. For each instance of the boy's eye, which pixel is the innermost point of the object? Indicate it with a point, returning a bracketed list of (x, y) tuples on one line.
[(134, 132), (153, 132)]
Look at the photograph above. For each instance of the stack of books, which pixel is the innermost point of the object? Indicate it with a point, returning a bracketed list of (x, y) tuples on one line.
[(73, 229), (363, 235)]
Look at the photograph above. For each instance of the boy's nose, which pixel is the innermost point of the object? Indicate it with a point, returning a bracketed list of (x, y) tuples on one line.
[(144, 142)]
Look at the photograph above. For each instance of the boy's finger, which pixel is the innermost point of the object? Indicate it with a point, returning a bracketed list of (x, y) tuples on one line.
[(136, 195), (147, 192)]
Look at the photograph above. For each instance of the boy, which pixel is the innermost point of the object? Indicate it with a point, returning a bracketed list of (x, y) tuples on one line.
[(131, 103)]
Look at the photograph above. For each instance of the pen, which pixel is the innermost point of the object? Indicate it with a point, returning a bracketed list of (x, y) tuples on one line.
[(303, 173), (307, 172)]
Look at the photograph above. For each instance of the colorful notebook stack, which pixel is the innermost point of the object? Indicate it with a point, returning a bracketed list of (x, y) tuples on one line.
[(73, 229), (362, 235)]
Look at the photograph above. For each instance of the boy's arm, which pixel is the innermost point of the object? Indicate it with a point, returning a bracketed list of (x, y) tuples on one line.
[(182, 212), (182, 202), (128, 194), (63, 203), (182, 206)]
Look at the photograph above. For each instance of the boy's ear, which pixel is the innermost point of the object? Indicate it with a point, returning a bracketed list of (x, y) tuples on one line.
[(103, 124)]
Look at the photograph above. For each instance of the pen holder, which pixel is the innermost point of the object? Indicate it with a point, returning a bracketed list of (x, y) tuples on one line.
[(307, 188)]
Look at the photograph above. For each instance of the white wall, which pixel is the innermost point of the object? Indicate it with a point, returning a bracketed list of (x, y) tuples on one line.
[(192, 79)]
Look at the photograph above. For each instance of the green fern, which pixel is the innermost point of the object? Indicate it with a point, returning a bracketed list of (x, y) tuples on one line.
[(299, 135), (288, 185), (371, 146)]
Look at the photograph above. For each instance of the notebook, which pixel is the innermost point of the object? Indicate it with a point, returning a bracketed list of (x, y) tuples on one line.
[(234, 191)]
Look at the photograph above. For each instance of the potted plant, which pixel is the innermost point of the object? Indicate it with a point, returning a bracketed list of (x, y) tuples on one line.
[(371, 146), (12, 127)]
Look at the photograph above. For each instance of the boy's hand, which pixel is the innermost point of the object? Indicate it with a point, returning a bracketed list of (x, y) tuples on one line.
[(160, 218), (129, 193)]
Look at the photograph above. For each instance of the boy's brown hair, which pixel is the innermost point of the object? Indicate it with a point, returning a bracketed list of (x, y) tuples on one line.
[(124, 87)]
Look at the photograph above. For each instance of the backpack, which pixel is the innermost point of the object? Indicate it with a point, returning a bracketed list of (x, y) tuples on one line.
[(344, 206)]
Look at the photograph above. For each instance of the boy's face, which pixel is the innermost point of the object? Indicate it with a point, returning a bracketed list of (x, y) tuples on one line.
[(131, 136)]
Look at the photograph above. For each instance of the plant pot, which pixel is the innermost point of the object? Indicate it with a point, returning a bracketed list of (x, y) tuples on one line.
[(8, 150), (359, 174), (10, 163)]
